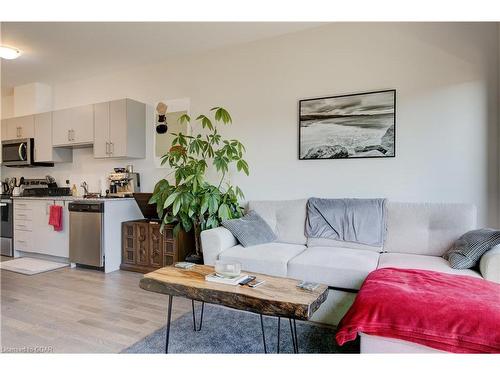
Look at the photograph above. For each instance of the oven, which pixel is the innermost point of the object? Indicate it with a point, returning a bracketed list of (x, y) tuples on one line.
[(7, 210)]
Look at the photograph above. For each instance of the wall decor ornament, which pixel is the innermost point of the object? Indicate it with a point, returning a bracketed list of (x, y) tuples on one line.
[(348, 126), (161, 126)]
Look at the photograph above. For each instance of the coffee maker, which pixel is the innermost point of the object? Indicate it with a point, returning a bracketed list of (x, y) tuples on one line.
[(123, 183)]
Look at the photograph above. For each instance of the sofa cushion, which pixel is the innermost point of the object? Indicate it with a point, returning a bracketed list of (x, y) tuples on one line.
[(426, 228), (250, 230), (421, 262), (286, 218), (270, 258), (334, 266), (489, 265), (328, 242)]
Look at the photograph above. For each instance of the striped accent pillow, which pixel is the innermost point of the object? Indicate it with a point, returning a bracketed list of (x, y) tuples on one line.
[(250, 230), (470, 247)]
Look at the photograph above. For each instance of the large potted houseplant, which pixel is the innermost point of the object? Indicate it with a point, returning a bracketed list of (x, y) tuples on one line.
[(191, 202)]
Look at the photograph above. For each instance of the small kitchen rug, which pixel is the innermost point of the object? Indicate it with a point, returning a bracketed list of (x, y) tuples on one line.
[(30, 266)]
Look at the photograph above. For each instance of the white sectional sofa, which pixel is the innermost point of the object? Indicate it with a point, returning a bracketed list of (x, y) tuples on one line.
[(418, 234)]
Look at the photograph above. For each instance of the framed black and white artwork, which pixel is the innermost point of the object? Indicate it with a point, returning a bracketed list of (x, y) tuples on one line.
[(348, 126)]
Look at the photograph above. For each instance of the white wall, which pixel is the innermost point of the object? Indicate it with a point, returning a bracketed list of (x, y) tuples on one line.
[(446, 81)]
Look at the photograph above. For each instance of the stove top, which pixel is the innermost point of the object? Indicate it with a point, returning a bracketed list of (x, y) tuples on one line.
[(47, 192)]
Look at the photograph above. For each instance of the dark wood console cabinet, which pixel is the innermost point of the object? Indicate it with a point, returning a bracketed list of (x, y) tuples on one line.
[(145, 249)]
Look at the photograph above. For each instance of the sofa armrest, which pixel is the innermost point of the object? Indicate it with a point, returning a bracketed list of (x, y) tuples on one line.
[(489, 265), (215, 241)]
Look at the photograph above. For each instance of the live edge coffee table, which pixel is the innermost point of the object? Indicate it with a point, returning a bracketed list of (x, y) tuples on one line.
[(278, 296)]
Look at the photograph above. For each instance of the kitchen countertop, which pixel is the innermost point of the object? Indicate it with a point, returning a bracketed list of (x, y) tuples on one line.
[(71, 198)]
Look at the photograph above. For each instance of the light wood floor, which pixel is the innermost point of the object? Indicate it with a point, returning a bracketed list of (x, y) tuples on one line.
[(79, 310)]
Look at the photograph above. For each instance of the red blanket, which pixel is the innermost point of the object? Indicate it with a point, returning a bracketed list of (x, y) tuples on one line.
[(459, 314)]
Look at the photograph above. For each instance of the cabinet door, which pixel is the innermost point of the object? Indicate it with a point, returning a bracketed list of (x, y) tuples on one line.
[(23, 241), (43, 137), (128, 243), (101, 130), (61, 127), (20, 127), (73, 126), (155, 246), (46, 239), (12, 129), (27, 126), (118, 128), (58, 241), (141, 244), (83, 124), (3, 136), (4, 130)]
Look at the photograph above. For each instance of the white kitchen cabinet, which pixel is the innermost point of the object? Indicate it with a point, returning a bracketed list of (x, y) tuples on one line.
[(2, 136), (44, 150), (4, 129), (101, 130), (73, 126), (18, 128), (32, 232), (52, 242), (120, 129)]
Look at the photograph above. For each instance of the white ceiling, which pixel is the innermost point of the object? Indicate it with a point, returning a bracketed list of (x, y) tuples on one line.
[(53, 52)]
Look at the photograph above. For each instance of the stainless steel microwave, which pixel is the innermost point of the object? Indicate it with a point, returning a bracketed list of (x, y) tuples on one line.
[(20, 153)]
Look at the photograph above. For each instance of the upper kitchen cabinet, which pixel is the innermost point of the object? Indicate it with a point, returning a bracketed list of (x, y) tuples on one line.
[(18, 127), (120, 129), (73, 126), (44, 151)]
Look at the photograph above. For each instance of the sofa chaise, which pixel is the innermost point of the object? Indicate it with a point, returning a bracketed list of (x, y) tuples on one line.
[(418, 234)]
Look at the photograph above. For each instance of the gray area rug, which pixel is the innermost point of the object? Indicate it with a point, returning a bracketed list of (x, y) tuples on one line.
[(232, 331)]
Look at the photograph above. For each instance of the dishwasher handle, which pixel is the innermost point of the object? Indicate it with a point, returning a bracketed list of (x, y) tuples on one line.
[(86, 207)]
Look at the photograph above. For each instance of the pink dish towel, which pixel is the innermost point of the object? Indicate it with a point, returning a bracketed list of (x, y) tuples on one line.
[(55, 217)]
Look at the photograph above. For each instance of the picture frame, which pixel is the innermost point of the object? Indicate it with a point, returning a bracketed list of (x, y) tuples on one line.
[(350, 126)]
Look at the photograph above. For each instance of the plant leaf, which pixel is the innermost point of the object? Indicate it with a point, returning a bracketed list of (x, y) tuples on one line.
[(170, 199), (242, 165), (224, 212), (176, 206), (177, 229), (205, 122), (184, 119)]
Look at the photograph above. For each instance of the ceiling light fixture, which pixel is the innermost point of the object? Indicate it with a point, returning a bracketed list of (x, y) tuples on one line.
[(9, 53)]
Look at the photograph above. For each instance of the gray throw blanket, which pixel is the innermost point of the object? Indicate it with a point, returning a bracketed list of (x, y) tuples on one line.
[(352, 220)]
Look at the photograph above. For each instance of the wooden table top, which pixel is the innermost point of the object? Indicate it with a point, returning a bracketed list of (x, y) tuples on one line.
[(278, 296)]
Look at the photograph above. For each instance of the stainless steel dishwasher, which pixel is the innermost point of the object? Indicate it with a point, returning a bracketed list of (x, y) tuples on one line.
[(86, 233)]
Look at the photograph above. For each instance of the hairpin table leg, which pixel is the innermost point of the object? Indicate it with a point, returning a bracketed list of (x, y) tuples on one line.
[(279, 326), (263, 334), (169, 318), (296, 337), (194, 317), (293, 331)]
